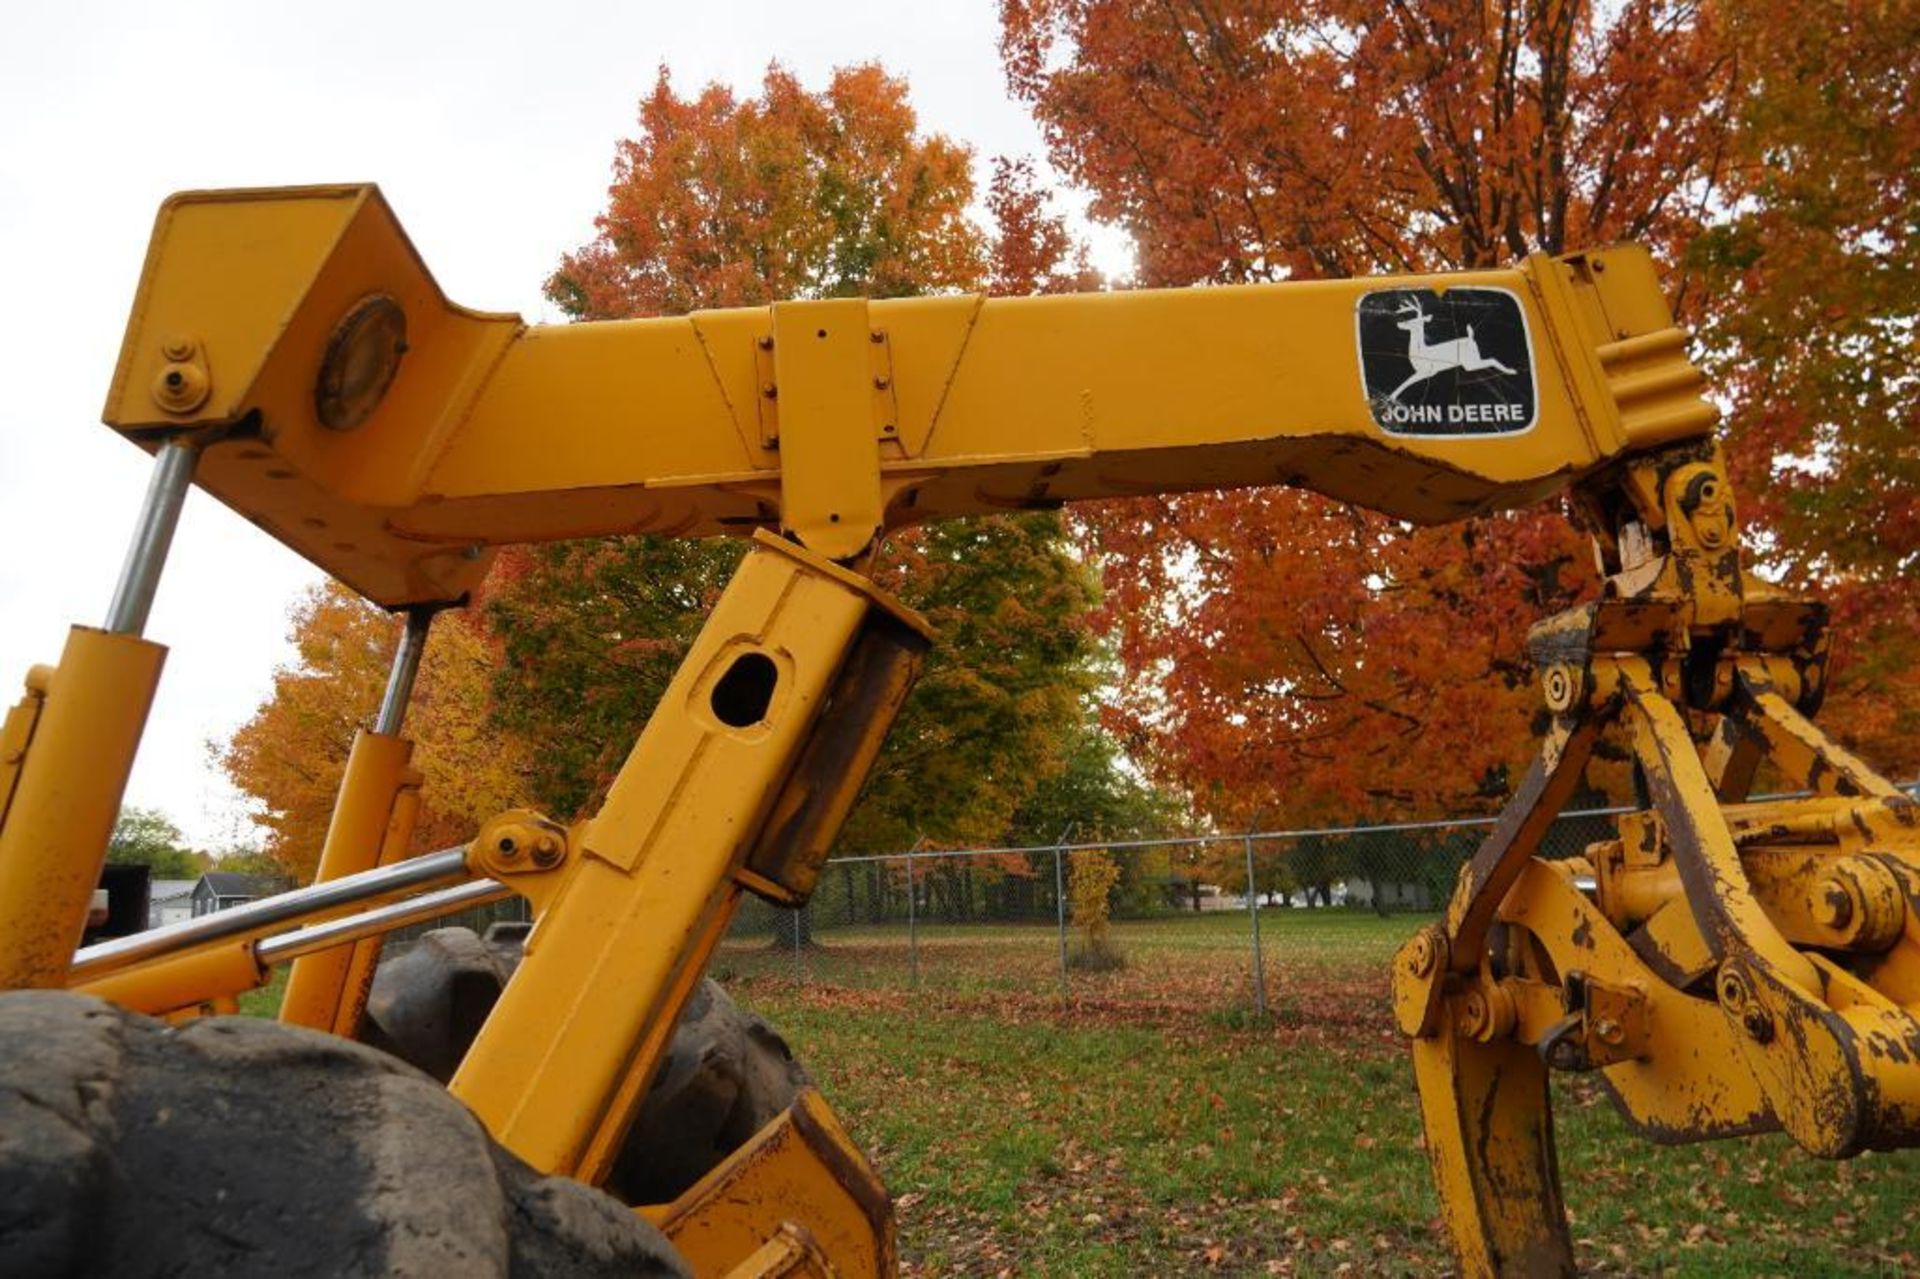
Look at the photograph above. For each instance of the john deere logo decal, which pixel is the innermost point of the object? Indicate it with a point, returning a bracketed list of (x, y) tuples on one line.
[(1452, 363)]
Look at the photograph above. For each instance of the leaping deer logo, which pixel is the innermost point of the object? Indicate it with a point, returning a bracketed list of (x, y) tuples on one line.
[(1430, 359)]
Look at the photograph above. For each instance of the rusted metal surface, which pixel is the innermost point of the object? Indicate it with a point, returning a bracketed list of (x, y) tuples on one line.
[(1489, 1137), (1739, 967), (800, 1169), (1808, 757), (807, 815)]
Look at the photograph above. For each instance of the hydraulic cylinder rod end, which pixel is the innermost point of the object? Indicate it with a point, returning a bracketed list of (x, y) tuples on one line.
[(406, 666), (152, 536)]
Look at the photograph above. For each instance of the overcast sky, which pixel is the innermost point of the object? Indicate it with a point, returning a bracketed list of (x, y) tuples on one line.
[(489, 125)]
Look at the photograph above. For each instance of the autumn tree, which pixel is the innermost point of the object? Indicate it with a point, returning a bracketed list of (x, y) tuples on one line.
[(1033, 250), (1814, 281), (1247, 140), (291, 755), (720, 201), (537, 694), (1092, 876), (1289, 654)]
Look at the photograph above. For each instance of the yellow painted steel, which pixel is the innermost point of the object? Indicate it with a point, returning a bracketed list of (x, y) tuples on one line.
[(321, 989), (828, 432), (1674, 1079), (496, 432), (363, 957), (1730, 968), (1490, 1141), (1729, 916), (16, 733), (66, 796), (801, 1174), (559, 1068), (191, 981)]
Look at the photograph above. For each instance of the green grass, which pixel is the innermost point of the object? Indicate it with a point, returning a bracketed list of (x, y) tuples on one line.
[(1148, 1123), (265, 1001), (1062, 1146), (1171, 961)]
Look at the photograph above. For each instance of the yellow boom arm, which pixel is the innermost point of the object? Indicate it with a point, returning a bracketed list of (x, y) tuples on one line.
[(385, 434)]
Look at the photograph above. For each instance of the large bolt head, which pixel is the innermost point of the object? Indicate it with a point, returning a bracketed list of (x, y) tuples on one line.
[(1557, 685), (1832, 903), (181, 388), (1420, 954)]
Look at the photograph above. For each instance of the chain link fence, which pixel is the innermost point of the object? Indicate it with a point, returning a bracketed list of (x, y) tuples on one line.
[(1226, 925), (1222, 924)]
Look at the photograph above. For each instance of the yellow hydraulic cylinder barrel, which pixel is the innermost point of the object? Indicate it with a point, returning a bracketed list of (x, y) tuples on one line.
[(66, 798), (364, 955), (376, 771), (188, 980)]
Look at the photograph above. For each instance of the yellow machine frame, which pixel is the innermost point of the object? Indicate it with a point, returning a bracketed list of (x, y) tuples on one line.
[(1724, 966)]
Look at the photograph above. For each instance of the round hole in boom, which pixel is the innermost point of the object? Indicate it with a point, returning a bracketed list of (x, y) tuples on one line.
[(742, 695)]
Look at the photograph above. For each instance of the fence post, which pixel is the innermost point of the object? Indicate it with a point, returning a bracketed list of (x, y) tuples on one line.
[(1253, 912), (1060, 903), (913, 925), (1060, 913)]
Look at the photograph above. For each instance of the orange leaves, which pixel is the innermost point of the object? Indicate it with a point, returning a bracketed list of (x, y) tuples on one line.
[(1815, 277), (471, 766), (1260, 139), (1291, 661), (1033, 251), (290, 756), (723, 202), (1288, 656)]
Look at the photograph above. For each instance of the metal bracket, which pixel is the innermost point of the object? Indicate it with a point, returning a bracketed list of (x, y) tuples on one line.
[(886, 405), (1604, 1024), (826, 409)]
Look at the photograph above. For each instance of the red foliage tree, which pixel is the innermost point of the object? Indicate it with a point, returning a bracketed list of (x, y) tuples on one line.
[(1285, 654)]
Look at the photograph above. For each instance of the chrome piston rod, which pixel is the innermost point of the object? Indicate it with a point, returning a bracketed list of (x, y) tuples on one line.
[(431, 870), (152, 536), (406, 666), (382, 919)]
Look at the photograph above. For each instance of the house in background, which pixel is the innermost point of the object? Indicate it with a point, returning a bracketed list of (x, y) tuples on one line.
[(1390, 895), (224, 889), (169, 901)]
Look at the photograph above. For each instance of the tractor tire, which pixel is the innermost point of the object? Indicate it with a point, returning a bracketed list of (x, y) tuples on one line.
[(727, 1073), (238, 1146)]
